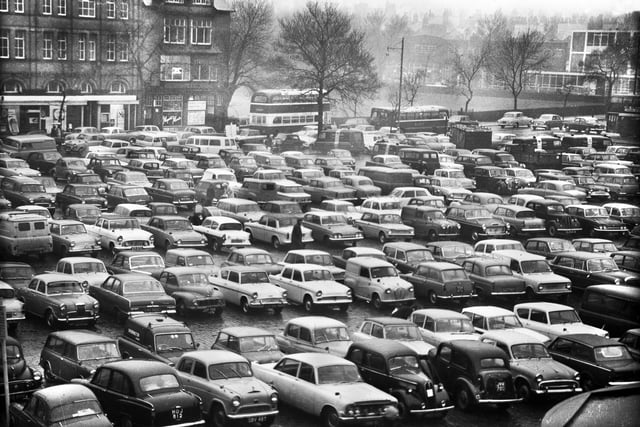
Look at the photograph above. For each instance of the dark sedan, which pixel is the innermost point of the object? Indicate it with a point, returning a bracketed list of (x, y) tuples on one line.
[(80, 193), (588, 268)]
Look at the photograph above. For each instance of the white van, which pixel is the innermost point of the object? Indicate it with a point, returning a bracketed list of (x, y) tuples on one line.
[(210, 143)]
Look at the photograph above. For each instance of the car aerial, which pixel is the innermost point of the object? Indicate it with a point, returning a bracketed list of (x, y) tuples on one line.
[(441, 280), (393, 328), (383, 227), (172, 190), (330, 227), (548, 247), (173, 231), (89, 178), (312, 286), (534, 372), (275, 229), (340, 261), (221, 232), (541, 281), (492, 277), (76, 354), (627, 213), (227, 388), (16, 274), (118, 193), (59, 299), (23, 190), (596, 245), (144, 262), (132, 293), (255, 344), (328, 387), (588, 268), (13, 307), (485, 318), (476, 222), (397, 369), (601, 362), (620, 186), (439, 325), (89, 270), (316, 257), (316, 334), (156, 395), (192, 290), (71, 237), (116, 233), (60, 405), (553, 319), (476, 373), (514, 119), (450, 251), (554, 213), (547, 121), (406, 256), (522, 220)]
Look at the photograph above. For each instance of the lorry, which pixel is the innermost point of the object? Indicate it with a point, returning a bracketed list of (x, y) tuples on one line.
[(534, 153), (470, 137)]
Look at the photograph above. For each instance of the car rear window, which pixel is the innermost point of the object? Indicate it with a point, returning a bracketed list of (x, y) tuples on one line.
[(492, 362)]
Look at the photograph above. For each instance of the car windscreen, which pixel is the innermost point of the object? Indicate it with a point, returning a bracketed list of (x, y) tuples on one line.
[(89, 267), (230, 226), (177, 224), (146, 261), (563, 316), (457, 250), (159, 383), (98, 350), (419, 255), (404, 365), (259, 259), (193, 279), (454, 325), (498, 270), (454, 274), (73, 229), (175, 342), (402, 332), (561, 246), (59, 288), (537, 266), (529, 351), (504, 322), (338, 374), (601, 265), (227, 370), (312, 275), (258, 343), (255, 277), (199, 260)]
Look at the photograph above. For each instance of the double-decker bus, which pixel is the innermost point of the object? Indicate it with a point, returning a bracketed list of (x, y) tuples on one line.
[(421, 118), (286, 110)]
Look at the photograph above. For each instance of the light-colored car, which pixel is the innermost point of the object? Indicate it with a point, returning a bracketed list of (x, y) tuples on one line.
[(547, 121), (317, 334), (438, 325), (312, 286), (329, 227), (227, 388), (553, 320), (384, 227), (522, 221), (458, 175), (328, 387), (255, 344), (514, 119), (120, 233), (173, 231), (192, 290), (314, 256), (249, 288), (534, 372), (275, 229), (223, 232), (71, 237), (130, 178), (393, 328), (378, 282), (486, 318), (89, 271), (383, 205), (14, 308), (342, 207), (142, 213)]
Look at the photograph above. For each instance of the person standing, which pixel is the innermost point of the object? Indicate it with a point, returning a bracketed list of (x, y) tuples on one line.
[(296, 235)]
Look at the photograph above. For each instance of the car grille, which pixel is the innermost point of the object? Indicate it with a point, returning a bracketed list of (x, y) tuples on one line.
[(80, 309), (371, 409), (209, 302), (251, 409), (557, 385), (553, 286), (135, 243), (401, 293), (495, 230), (271, 300)]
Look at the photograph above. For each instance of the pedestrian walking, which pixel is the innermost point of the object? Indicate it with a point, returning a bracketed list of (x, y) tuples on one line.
[(296, 235)]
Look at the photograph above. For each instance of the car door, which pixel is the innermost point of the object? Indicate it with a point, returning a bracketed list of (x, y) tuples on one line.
[(69, 362), (539, 322), (285, 379), (362, 285), (306, 388), (442, 366)]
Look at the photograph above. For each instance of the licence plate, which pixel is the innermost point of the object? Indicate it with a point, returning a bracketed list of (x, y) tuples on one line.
[(429, 392), (459, 289), (257, 419), (500, 386)]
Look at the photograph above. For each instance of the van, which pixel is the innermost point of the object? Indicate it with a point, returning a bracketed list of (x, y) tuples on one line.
[(386, 178), (347, 139), (24, 233), (423, 160), (210, 143), (23, 145), (615, 308), (155, 139), (595, 142)]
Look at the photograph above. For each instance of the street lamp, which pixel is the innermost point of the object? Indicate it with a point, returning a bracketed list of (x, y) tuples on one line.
[(401, 48)]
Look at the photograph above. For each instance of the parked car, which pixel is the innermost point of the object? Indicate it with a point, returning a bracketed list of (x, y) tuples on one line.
[(620, 186), (583, 124), (255, 344), (118, 194), (16, 274), (476, 373), (13, 307), (317, 334), (547, 122), (534, 372), (222, 232), (395, 329), (105, 165), (341, 207), (627, 260), (23, 190), (377, 282), (514, 119), (23, 379), (553, 319), (44, 162), (588, 268), (156, 395), (595, 221), (557, 220), (275, 229), (362, 185), (76, 354), (172, 190), (328, 387), (316, 257), (487, 318), (328, 188), (522, 221), (439, 325), (60, 405), (397, 369), (406, 256), (240, 209), (340, 261), (145, 262), (548, 247), (441, 280), (312, 286), (329, 227), (71, 237), (89, 270), (601, 362), (477, 222), (172, 231), (450, 251), (60, 300), (595, 245), (192, 290), (492, 277), (80, 193), (227, 389), (384, 227), (89, 178)]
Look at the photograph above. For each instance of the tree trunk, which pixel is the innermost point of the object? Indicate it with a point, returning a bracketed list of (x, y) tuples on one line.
[(515, 103), (320, 107)]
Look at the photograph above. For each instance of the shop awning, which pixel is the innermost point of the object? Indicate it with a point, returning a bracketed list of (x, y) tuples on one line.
[(71, 100)]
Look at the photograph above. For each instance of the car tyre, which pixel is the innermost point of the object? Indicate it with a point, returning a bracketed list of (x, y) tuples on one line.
[(475, 236), (530, 295), (50, 318), (244, 306), (431, 236), (218, 416), (276, 243), (308, 304), (376, 302), (215, 246), (382, 238), (553, 230), (403, 410), (433, 298), (267, 423), (181, 308), (524, 391), (277, 310), (330, 418), (464, 399), (63, 251), (126, 422), (343, 308)]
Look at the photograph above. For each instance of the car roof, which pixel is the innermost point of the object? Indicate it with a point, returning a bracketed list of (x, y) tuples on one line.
[(81, 336), (305, 252), (64, 393), (246, 331), (316, 321), (250, 250), (56, 277), (440, 265), (73, 259), (133, 276), (487, 310), (583, 255), (65, 222), (445, 243), (619, 205), (518, 255), (367, 261), (630, 292), (514, 207), (251, 269), (387, 348), (484, 261), (510, 337), (214, 356), (223, 219), (477, 348), (132, 253), (592, 240), (389, 320), (544, 306), (407, 246), (590, 340), (498, 241), (139, 368), (178, 270), (319, 359)]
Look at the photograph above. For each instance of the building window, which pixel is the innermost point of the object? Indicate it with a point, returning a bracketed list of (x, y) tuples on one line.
[(4, 43), (12, 86), (19, 44), (54, 87), (62, 46), (46, 7), (172, 103), (124, 9), (205, 72), (86, 87), (111, 47), (175, 31), (175, 68), (598, 39), (202, 2), (18, 6), (175, 1), (4, 5), (117, 87), (111, 9), (47, 45), (92, 47), (82, 47), (62, 7), (201, 31), (123, 49), (87, 8)]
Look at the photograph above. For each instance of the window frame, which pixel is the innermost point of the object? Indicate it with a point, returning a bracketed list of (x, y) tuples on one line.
[(87, 9)]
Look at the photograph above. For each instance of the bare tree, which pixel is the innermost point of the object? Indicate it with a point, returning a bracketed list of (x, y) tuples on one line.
[(326, 53), (411, 84), (514, 56), (245, 51), (467, 65), (608, 64)]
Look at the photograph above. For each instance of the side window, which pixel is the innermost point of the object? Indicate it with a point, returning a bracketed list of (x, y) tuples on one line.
[(538, 316), (364, 272), (460, 359), (376, 362), (515, 267), (445, 354), (185, 365), (41, 287), (377, 331), (101, 378), (288, 366), (200, 370), (293, 331), (305, 334), (356, 356), (562, 346), (119, 383), (523, 313), (366, 328), (306, 373), (297, 276), (580, 351), (478, 322)]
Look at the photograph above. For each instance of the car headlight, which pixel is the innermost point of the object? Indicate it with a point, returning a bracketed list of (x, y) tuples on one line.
[(284, 294), (235, 402), (349, 292), (119, 239), (337, 236), (31, 200), (72, 244), (387, 291), (255, 295), (576, 376), (96, 305), (37, 376), (484, 226), (274, 398), (151, 239), (618, 281), (568, 285), (179, 242), (319, 294), (62, 307), (411, 289), (539, 378)]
